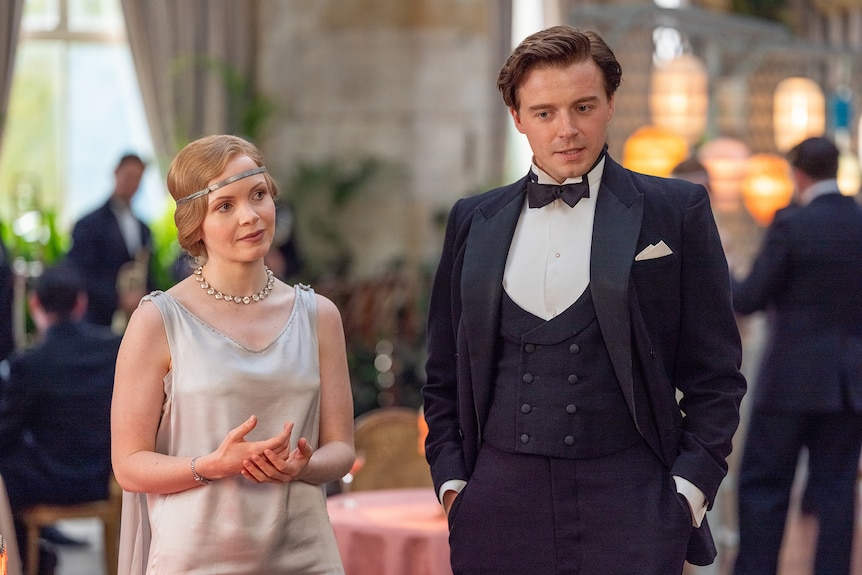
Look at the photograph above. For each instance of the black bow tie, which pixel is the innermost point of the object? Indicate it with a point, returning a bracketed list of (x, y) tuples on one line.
[(540, 195)]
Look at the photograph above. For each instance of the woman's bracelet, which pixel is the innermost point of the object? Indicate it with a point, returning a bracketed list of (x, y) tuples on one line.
[(198, 477)]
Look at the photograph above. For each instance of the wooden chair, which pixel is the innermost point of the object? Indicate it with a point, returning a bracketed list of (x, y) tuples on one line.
[(108, 511), (7, 530), (387, 439)]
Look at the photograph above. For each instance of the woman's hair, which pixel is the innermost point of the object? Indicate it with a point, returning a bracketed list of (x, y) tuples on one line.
[(557, 46), (192, 170)]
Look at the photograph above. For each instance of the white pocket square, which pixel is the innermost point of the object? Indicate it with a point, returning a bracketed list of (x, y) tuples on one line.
[(652, 252)]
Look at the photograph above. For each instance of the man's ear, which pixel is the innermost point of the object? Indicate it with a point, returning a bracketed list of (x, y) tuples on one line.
[(516, 117), (80, 306), (37, 312)]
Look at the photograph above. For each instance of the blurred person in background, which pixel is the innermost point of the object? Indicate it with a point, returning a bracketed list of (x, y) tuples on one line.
[(111, 247), (808, 393), (7, 298), (55, 402)]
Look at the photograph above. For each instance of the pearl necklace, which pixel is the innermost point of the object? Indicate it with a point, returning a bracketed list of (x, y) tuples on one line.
[(259, 296)]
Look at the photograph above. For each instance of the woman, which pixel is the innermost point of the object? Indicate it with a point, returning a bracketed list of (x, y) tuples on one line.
[(229, 413)]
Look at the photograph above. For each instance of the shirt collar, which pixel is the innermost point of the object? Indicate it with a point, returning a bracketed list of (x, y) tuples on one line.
[(594, 176), (818, 189)]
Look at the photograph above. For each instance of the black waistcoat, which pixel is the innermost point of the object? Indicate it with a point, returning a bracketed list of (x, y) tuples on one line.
[(555, 392)]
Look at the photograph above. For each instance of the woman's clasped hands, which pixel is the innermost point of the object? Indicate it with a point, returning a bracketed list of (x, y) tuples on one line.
[(266, 461)]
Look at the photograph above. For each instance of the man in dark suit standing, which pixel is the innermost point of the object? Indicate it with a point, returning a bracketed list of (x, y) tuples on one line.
[(7, 298), (111, 246), (55, 401), (562, 324), (808, 392)]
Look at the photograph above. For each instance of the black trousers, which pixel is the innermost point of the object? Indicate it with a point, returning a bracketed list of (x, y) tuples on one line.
[(769, 460), (614, 515)]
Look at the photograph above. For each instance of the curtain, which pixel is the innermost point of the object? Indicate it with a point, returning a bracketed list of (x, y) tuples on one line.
[(195, 65), (10, 22)]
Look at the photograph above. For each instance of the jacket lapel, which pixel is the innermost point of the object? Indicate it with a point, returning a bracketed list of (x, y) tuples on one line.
[(617, 225), (486, 251)]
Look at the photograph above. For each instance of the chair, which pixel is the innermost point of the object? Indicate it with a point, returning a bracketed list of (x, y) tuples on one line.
[(7, 530), (108, 511), (387, 439)]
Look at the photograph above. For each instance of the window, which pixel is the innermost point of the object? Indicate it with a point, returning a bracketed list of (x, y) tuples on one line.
[(75, 108)]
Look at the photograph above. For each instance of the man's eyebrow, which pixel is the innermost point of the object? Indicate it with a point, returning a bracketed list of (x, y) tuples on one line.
[(585, 99)]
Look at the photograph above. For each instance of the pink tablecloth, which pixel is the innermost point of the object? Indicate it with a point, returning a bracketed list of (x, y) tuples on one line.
[(391, 532)]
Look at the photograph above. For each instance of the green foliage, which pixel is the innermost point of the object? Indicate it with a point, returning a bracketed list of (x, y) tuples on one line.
[(769, 9), (319, 192), (166, 249)]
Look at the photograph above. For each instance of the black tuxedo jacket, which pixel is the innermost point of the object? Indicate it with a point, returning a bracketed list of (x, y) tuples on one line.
[(98, 251), (667, 323), (808, 276), (55, 403)]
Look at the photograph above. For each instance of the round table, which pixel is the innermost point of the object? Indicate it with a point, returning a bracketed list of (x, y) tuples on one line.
[(391, 532)]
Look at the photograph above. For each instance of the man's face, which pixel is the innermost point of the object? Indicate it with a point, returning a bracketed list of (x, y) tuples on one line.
[(127, 178), (564, 112)]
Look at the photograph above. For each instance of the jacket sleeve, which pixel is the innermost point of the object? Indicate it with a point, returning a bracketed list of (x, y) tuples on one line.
[(706, 368), (768, 272), (444, 444)]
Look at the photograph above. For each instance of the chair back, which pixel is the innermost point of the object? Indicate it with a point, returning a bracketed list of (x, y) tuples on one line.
[(389, 451), (7, 530)]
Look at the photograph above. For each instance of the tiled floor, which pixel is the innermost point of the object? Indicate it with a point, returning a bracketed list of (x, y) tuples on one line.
[(87, 560)]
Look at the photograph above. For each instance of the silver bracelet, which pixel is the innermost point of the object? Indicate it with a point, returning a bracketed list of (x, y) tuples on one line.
[(199, 478)]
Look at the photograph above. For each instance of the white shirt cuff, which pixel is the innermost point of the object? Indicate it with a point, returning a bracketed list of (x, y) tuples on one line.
[(695, 497), (455, 485)]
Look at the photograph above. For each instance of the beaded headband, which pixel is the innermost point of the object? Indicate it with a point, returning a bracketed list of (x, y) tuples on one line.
[(221, 184)]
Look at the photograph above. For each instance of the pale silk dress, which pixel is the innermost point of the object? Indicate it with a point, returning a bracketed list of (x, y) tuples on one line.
[(233, 526)]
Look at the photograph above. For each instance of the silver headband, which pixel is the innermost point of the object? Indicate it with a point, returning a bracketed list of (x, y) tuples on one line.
[(221, 184)]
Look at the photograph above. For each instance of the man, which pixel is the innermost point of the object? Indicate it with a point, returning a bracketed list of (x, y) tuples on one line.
[(809, 388), (111, 248), (558, 337), (7, 297), (55, 400)]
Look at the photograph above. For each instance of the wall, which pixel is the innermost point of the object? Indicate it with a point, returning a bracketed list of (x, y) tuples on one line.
[(410, 83)]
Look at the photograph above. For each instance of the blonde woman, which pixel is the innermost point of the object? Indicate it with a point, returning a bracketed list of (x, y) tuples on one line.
[(232, 404)]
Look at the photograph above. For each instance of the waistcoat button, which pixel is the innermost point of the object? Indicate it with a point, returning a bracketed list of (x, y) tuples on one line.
[(528, 378), (570, 440), (571, 408), (526, 408), (529, 348), (574, 348), (573, 378), (525, 438)]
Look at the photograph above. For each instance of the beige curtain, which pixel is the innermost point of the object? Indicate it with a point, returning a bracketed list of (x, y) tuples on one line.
[(10, 22), (195, 65)]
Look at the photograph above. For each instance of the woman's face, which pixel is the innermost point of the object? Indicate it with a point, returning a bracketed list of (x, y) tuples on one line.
[(240, 219)]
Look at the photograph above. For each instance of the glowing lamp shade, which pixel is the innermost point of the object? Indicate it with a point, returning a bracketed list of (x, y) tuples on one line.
[(654, 151), (767, 187), (799, 112), (422, 427), (678, 97), (849, 175), (725, 160)]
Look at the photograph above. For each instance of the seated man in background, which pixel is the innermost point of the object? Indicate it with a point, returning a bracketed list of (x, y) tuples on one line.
[(55, 401)]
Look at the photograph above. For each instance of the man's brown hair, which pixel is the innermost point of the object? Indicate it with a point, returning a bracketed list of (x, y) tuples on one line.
[(557, 46)]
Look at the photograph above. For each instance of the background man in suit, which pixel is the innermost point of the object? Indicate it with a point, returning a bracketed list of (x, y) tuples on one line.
[(111, 239), (55, 401), (809, 389), (558, 337), (7, 297)]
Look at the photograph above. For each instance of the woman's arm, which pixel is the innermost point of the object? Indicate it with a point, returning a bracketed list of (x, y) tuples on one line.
[(142, 363)]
